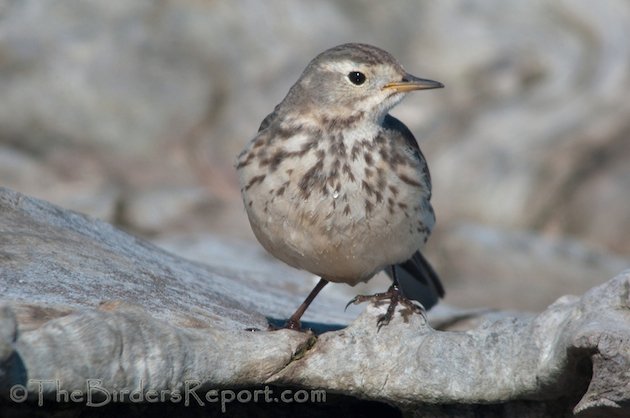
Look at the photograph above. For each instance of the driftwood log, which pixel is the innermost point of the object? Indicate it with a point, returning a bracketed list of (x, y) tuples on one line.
[(82, 301)]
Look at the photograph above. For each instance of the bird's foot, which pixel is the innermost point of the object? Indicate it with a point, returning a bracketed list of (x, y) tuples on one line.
[(291, 324), (395, 297), (294, 320)]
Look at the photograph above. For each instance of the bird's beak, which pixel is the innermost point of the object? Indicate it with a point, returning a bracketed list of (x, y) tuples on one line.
[(410, 83)]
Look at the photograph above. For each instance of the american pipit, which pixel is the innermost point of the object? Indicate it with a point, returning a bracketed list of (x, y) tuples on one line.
[(334, 185)]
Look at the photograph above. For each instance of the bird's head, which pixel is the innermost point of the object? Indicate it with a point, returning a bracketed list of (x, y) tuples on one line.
[(353, 79)]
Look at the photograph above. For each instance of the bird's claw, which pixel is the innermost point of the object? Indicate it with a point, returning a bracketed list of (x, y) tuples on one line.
[(395, 297), (360, 299)]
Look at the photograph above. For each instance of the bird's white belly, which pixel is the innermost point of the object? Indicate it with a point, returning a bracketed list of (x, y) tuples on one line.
[(334, 234)]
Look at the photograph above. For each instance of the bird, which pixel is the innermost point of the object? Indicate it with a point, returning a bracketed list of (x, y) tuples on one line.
[(335, 185)]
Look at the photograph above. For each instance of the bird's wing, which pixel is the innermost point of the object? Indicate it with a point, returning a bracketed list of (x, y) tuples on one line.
[(268, 119), (393, 124), (416, 277)]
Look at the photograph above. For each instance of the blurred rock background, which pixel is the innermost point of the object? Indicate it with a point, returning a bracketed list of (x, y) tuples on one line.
[(133, 112)]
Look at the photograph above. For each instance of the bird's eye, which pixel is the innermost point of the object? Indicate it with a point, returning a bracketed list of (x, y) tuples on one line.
[(356, 77)]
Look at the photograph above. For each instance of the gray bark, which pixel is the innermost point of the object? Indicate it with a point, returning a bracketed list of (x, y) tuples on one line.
[(82, 300)]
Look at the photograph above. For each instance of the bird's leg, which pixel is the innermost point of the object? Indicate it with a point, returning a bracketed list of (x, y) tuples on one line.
[(395, 297), (294, 320)]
